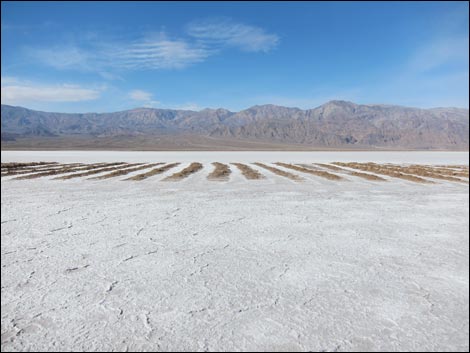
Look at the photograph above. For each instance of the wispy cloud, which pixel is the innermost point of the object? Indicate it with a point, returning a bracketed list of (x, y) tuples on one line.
[(435, 74), (64, 57), (189, 106), (15, 91), (224, 31), (9, 80), (139, 95), (151, 53), (156, 51), (143, 97), (440, 52), (159, 52), (27, 28), (110, 76)]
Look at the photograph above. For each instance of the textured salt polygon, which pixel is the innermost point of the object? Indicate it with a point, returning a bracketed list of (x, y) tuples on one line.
[(245, 265)]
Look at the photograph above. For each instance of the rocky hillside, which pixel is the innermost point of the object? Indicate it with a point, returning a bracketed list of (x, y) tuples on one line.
[(336, 124)]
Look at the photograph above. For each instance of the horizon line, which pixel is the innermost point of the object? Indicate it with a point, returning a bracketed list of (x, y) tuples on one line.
[(250, 107)]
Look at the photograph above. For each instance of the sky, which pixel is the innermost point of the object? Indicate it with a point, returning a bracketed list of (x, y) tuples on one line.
[(112, 56)]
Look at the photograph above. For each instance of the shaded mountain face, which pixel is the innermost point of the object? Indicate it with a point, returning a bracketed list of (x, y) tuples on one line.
[(336, 124)]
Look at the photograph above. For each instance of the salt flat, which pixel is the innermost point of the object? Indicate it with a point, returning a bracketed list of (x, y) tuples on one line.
[(268, 264), (431, 157)]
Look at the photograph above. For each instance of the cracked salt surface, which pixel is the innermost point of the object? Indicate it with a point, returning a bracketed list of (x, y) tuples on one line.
[(245, 265)]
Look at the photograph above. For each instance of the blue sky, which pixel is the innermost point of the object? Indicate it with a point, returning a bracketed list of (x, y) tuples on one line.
[(110, 56)]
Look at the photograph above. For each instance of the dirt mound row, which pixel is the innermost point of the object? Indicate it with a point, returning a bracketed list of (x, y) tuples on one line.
[(59, 171), (110, 167), (221, 172), (280, 172), (249, 172), (14, 165), (366, 176), (39, 169), (191, 169), (369, 171), (422, 171), (120, 172), (315, 172), (443, 171), (380, 169), (455, 173), (464, 167), (331, 167), (153, 172)]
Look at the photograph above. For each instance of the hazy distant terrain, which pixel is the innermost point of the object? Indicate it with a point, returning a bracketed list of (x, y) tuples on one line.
[(334, 125)]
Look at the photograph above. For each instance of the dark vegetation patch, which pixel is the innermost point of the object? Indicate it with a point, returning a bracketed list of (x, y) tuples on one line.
[(380, 169), (120, 172), (191, 169), (428, 172), (110, 167), (319, 173), (38, 169), (14, 165), (221, 172), (59, 171), (249, 172), (153, 172), (366, 176), (331, 167), (280, 172)]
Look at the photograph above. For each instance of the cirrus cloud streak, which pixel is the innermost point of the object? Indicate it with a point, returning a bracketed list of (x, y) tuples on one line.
[(158, 51), (225, 32), (15, 91)]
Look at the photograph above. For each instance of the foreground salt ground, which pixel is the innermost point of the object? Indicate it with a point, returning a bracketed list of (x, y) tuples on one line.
[(270, 264)]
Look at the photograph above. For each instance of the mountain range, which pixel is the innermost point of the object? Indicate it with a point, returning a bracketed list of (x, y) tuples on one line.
[(333, 125)]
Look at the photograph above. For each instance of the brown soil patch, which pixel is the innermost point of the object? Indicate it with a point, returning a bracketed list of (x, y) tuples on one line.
[(280, 172), (382, 170), (464, 167), (367, 176), (357, 174), (249, 172), (191, 169), (15, 165), (443, 171), (110, 167), (121, 171), (38, 169), (463, 174), (59, 171), (221, 172), (319, 173), (153, 172), (331, 167), (424, 172)]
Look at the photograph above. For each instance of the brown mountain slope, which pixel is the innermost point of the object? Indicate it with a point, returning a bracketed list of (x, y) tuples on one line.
[(334, 125)]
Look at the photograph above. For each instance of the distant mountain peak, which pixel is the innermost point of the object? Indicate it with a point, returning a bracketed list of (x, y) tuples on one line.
[(270, 107), (266, 106), (341, 103), (219, 110), (141, 109), (335, 124)]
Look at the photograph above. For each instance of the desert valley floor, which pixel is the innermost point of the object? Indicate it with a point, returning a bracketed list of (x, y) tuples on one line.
[(297, 251)]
